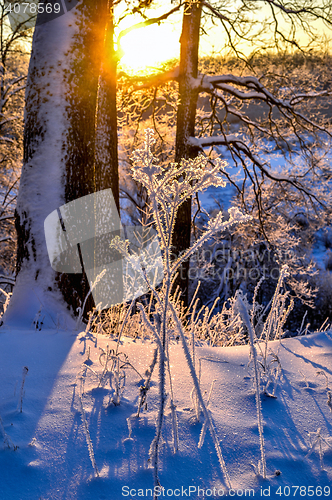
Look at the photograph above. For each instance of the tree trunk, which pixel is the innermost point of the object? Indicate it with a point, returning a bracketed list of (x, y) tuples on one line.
[(185, 128), (107, 172), (59, 154)]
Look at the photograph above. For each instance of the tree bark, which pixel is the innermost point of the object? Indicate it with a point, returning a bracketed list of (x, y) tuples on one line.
[(107, 172), (59, 153), (185, 128)]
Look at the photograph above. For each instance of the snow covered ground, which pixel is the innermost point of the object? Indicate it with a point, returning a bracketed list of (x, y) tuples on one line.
[(52, 461)]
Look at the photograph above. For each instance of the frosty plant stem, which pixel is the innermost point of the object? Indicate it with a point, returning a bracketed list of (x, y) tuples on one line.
[(167, 188), (273, 316), (246, 319), (80, 310), (24, 374), (87, 437), (317, 440), (200, 397), (6, 439), (86, 425), (147, 381)]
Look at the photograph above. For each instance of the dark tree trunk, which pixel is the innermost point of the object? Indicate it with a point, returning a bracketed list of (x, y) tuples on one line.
[(185, 128), (82, 83), (107, 172), (59, 152)]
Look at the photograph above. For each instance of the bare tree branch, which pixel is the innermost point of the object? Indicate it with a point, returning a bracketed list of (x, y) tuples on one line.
[(215, 12)]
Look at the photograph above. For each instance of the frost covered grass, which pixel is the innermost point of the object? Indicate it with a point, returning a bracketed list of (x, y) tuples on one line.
[(255, 326), (167, 188), (162, 318)]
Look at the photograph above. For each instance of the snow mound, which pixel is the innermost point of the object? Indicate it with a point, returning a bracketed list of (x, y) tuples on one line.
[(51, 457)]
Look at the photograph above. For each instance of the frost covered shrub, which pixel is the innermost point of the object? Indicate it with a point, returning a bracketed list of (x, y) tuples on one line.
[(227, 328), (239, 259), (167, 188)]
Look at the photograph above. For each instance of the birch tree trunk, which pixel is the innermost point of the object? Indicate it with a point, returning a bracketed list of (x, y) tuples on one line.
[(185, 127), (59, 154)]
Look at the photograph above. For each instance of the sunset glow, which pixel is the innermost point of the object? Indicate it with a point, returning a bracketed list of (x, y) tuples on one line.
[(146, 49)]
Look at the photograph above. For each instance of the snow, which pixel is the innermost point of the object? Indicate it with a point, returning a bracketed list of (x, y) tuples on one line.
[(52, 459)]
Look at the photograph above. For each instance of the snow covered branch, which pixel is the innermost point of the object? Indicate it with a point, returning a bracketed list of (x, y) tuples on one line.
[(235, 143), (7, 280), (7, 217), (254, 90)]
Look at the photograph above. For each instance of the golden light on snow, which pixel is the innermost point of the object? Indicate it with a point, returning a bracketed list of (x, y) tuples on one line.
[(146, 49)]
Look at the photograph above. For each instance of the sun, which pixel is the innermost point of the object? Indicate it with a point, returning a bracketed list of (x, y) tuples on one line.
[(146, 49)]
